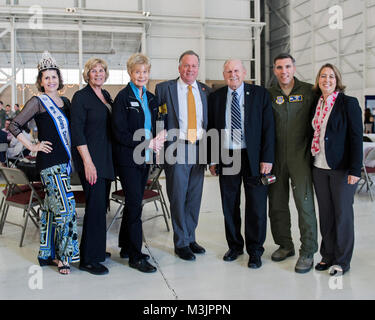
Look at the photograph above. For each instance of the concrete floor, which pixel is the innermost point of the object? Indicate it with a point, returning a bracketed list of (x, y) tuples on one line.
[(209, 277)]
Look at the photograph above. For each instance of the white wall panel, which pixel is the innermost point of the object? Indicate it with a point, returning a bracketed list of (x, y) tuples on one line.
[(128, 5), (239, 9), (191, 8), (164, 69), (314, 42), (48, 3)]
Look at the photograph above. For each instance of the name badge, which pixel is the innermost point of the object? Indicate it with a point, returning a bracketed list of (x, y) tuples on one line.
[(295, 98), (280, 100), (134, 103)]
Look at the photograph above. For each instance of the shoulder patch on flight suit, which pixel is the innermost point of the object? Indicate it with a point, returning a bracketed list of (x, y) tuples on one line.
[(280, 100), (296, 98)]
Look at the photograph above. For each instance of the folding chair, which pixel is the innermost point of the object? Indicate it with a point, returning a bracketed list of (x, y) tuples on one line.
[(21, 194), (155, 185), (150, 195), (366, 172), (367, 180), (12, 161)]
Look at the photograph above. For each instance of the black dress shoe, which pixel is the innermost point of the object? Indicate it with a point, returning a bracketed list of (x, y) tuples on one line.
[(322, 266), (142, 265), (232, 255), (185, 253), (94, 268), (196, 248), (254, 262), (125, 255)]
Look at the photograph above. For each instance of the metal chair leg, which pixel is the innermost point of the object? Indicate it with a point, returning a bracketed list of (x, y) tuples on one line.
[(121, 208), (24, 228)]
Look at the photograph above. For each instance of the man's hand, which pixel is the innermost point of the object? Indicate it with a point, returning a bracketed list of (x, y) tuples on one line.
[(213, 170), (265, 167)]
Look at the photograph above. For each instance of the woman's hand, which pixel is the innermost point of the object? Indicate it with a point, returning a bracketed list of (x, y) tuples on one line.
[(43, 146), (90, 169), (90, 173), (158, 142), (353, 179)]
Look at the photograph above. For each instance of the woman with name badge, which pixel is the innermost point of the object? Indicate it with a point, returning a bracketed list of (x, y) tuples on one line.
[(58, 221), (134, 109)]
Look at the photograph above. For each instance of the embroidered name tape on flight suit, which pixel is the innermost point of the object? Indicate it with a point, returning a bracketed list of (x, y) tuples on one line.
[(296, 98)]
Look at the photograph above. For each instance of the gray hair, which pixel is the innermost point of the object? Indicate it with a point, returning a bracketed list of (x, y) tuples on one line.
[(231, 59), (189, 53)]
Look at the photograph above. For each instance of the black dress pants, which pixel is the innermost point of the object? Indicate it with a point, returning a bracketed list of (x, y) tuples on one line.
[(336, 216), (255, 209), (93, 240), (133, 182)]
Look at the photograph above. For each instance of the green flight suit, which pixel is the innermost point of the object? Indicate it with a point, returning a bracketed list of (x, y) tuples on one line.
[(293, 161)]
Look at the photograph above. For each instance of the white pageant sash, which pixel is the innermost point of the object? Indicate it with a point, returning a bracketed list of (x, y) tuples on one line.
[(61, 124)]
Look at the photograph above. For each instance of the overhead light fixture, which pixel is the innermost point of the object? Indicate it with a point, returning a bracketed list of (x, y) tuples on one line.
[(146, 13)]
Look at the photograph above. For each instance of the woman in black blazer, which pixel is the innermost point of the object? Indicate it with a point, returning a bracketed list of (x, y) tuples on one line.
[(91, 114), (337, 151), (135, 110)]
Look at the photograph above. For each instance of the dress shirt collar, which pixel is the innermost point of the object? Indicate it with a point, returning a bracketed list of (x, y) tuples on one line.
[(239, 90), (183, 84)]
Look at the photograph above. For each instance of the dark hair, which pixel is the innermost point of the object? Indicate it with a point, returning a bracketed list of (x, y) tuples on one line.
[(39, 79), (189, 53), (339, 85), (282, 56)]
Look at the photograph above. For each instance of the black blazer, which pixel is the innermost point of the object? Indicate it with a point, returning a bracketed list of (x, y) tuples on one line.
[(127, 118), (344, 135), (91, 126), (259, 123)]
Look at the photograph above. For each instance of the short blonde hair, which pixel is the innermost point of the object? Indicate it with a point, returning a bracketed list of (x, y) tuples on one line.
[(137, 58), (91, 64)]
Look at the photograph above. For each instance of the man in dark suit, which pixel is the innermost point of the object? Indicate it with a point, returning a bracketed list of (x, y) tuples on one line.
[(186, 103), (242, 113)]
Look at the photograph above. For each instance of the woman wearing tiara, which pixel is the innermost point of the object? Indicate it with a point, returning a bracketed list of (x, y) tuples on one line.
[(58, 222)]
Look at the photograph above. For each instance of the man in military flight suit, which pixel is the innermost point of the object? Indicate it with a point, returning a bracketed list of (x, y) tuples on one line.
[(291, 103)]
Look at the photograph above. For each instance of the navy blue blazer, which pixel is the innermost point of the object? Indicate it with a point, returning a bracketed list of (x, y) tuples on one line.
[(344, 135), (127, 118), (259, 123), (91, 126)]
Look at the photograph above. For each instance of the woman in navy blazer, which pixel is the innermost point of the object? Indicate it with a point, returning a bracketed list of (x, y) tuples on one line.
[(90, 113), (337, 151), (135, 111)]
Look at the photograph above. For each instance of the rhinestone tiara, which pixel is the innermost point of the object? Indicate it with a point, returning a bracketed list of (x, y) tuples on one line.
[(47, 62)]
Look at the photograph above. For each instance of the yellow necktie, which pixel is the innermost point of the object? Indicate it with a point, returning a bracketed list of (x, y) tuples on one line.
[(192, 117)]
